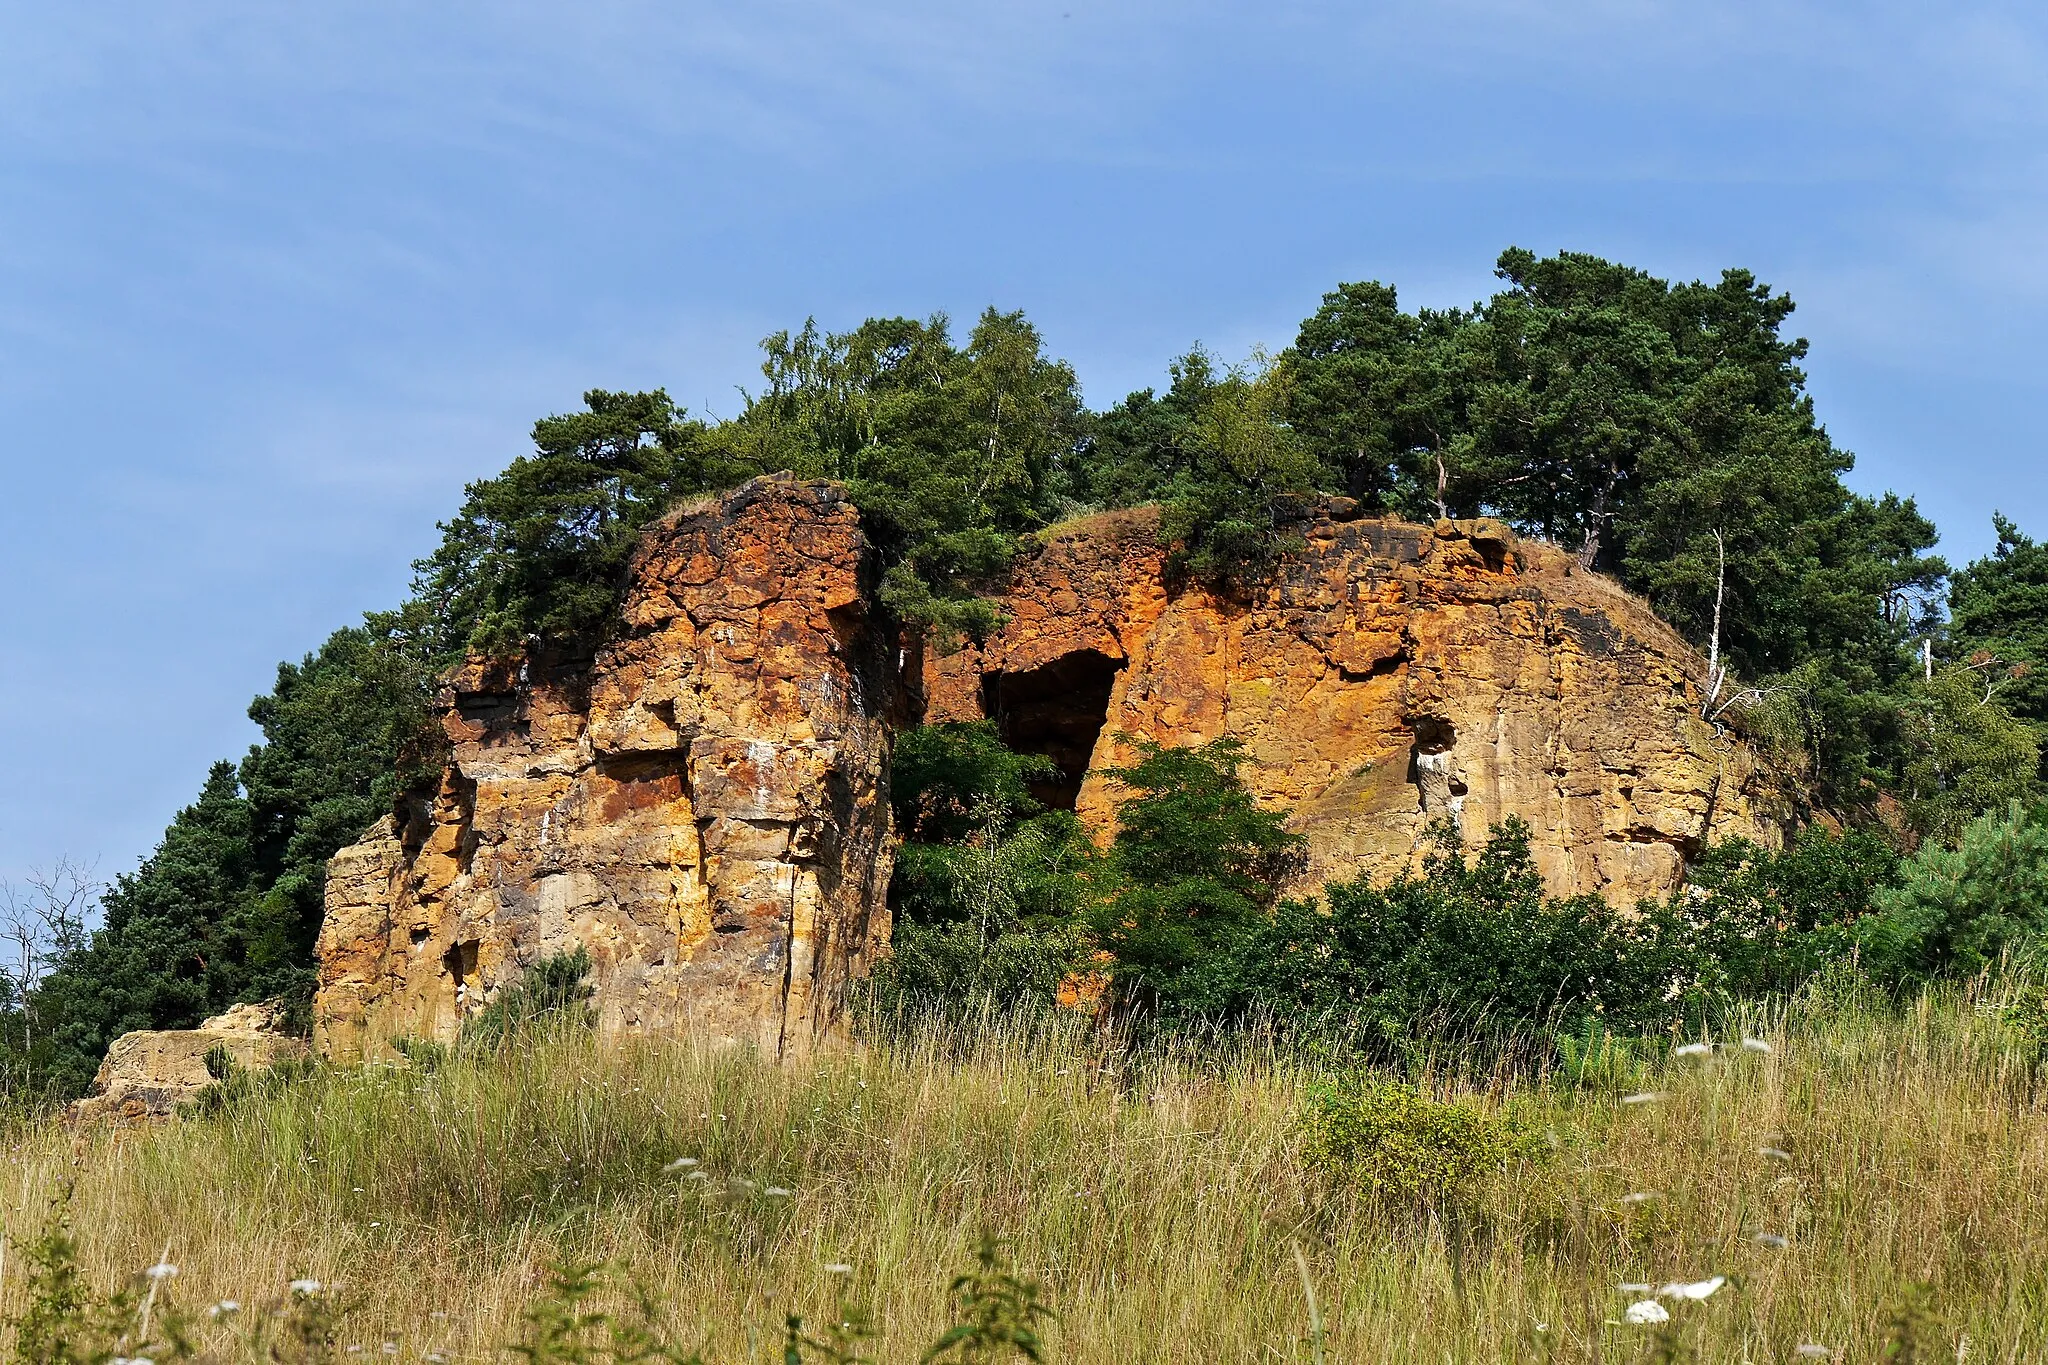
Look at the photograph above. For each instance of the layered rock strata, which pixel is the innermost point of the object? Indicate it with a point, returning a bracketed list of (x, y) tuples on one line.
[(703, 805), (1389, 676), (148, 1074)]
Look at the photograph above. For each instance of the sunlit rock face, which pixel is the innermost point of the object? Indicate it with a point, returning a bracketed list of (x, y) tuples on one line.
[(703, 805), (1389, 676)]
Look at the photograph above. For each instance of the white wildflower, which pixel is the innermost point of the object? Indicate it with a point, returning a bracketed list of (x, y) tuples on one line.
[(1640, 1197), (1770, 1240), (777, 1192), (1755, 1045), (1808, 1350), (838, 1268), (681, 1163), (697, 1175), (1692, 1050), (1633, 1287), (1774, 1153), (1692, 1289), (162, 1270), (305, 1286), (436, 1357), (1646, 1311), (226, 1308), (1646, 1097)]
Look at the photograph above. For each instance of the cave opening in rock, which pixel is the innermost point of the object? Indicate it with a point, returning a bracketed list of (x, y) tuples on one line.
[(1057, 710)]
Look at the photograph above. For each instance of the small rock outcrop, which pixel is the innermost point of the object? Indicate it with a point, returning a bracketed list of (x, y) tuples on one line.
[(148, 1074), (1390, 675), (703, 805)]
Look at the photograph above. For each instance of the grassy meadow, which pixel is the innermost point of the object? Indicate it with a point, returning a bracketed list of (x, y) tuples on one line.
[(1159, 1198)]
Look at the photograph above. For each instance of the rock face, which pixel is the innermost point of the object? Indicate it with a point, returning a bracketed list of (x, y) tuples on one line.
[(1391, 675), (703, 805), (147, 1075)]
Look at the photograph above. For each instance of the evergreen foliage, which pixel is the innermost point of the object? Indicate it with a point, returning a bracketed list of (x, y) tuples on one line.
[(1960, 909), (1998, 612), (1196, 866), (1661, 431)]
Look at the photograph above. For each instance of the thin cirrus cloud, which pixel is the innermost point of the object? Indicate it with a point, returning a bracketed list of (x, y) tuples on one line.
[(275, 282)]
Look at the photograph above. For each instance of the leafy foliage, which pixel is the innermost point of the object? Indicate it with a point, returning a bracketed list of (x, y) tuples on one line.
[(1663, 431), (1195, 867), (1964, 754), (228, 906), (1998, 611), (987, 884), (1958, 909), (997, 1312), (1218, 455), (1397, 1141), (950, 452), (553, 989), (540, 551)]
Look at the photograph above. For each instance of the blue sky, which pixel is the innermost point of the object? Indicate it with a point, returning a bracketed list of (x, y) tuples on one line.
[(276, 281)]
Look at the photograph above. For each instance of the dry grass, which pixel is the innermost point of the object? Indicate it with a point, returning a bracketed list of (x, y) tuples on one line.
[(1160, 1201)]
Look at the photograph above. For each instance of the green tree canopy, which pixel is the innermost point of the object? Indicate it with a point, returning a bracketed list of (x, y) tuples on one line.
[(1998, 609)]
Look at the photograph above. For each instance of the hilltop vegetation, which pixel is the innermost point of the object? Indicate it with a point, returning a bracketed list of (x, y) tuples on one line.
[(1662, 432)]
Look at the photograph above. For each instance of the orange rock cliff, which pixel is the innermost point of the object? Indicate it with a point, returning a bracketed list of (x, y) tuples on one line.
[(704, 804)]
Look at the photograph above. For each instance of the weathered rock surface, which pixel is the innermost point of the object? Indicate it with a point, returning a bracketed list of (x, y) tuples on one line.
[(703, 805), (147, 1075), (1390, 675)]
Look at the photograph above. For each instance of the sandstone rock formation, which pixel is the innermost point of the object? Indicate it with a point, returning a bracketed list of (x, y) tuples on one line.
[(703, 805), (1390, 675), (147, 1075)]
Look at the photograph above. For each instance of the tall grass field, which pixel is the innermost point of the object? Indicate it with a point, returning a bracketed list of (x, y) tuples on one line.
[(1842, 1179)]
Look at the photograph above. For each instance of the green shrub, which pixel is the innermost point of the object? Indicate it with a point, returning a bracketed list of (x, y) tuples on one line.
[(1195, 867), (1397, 1141), (1959, 909), (553, 989)]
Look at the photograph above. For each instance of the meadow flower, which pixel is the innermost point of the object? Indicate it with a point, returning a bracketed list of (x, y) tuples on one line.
[(1633, 1287), (1640, 1197), (1692, 1050), (1692, 1289), (162, 1270), (1771, 1240), (224, 1309), (696, 1175), (1646, 1097), (1774, 1153), (777, 1192), (681, 1163), (1808, 1350), (1646, 1311), (838, 1268), (305, 1286), (1756, 1045)]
